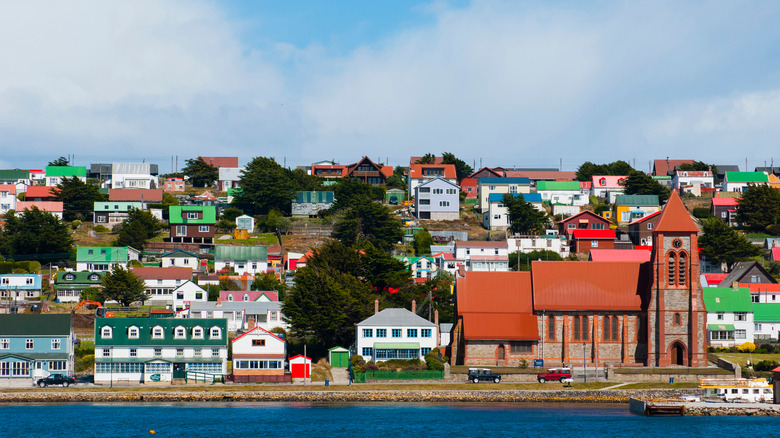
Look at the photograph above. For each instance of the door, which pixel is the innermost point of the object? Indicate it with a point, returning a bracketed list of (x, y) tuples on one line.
[(179, 371), (340, 359)]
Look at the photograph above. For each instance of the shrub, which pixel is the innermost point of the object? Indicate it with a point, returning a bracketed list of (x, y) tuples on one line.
[(75, 224), (701, 212), (85, 363), (770, 349), (100, 229), (766, 365), (774, 267), (433, 363), (523, 363), (747, 347)]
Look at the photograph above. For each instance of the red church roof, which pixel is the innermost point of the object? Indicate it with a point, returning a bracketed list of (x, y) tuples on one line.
[(675, 217)]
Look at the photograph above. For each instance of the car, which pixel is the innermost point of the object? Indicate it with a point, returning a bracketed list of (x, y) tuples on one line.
[(554, 374), (479, 374), (56, 379)]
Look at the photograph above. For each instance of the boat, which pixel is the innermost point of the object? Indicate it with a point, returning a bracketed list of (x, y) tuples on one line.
[(736, 390)]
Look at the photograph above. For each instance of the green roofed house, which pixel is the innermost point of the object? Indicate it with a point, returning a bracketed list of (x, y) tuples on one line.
[(310, 204), (20, 178), (241, 259), (562, 192), (766, 320), (104, 258), (112, 213), (159, 350), (629, 208), (739, 181), (729, 315), (69, 285), (192, 223), (55, 174), (34, 346)]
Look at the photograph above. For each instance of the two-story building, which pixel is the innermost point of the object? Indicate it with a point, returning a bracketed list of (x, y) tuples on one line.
[(395, 334), (174, 184), (133, 176), (55, 208), (132, 351), (257, 355), (249, 260), (161, 284), (693, 181), (104, 258), (7, 198), (20, 286), (729, 316), (55, 174), (192, 223), (70, 284), (483, 256), (547, 242), (239, 314), (562, 192), (229, 178), (629, 208), (437, 199), (584, 220), (111, 214), (421, 267), (34, 346), (497, 215), (179, 258), (766, 321), (640, 231), (420, 173), (739, 181), (607, 186), (368, 171), (488, 185), (725, 209), (19, 178)]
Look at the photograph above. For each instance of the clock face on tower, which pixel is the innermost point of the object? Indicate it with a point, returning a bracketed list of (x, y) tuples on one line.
[(677, 243)]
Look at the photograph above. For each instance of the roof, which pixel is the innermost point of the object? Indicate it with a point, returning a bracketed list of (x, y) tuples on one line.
[(714, 279), (593, 234), (82, 277), (776, 253), (619, 255), (68, 171), (741, 269), (527, 197), (35, 285), (675, 217), (179, 253), (727, 202), (468, 182), (481, 244), (638, 200), (507, 181), (720, 327), (693, 173), (438, 181), (644, 218), (257, 330), (497, 305), (585, 213), (746, 177), (309, 197), (436, 160), (663, 167), (607, 181), (155, 273), (101, 253), (726, 299), (396, 317), (40, 192), (252, 295), (226, 252), (120, 328), (569, 186), (600, 286), (551, 175), (418, 171), (250, 307), (221, 161), (175, 214), (14, 174), (50, 206), (29, 325), (145, 195), (766, 312)]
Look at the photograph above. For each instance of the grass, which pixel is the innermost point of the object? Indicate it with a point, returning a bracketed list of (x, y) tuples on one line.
[(659, 385), (743, 358), (265, 238)]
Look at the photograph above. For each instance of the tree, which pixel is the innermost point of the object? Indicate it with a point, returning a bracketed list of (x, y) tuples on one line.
[(213, 291), (397, 179), (462, 170), (231, 213), (722, 244), (123, 286), (587, 169), (522, 261), (268, 281), (275, 221), (305, 182), (265, 186), (759, 207), (200, 173), (426, 159), (639, 183), (139, 227), (61, 161), (422, 242), (698, 166), (228, 284), (78, 198), (349, 191), (36, 235), (524, 218), (93, 294), (368, 221)]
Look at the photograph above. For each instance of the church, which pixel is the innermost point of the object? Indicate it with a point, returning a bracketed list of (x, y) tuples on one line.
[(600, 313)]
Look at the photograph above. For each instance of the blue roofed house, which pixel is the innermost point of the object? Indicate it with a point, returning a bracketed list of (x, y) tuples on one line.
[(488, 185), (20, 286), (497, 215), (437, 199), (33, 346), (310, 204)]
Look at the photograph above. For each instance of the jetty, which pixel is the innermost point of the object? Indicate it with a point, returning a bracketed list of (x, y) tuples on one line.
[(677, 408)]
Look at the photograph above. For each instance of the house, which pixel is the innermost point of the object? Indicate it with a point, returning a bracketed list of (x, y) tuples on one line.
[(548, 242), (185, 294), (41, 193), (666, 167), (468, 186), (693, 181), (21, 179), (607, 186), (632, 207), (619, 255), (748, 272), (712, 279), (160, 283), (497, 215), (229, 178), (54, 207), (483, 256), (158, 350), (7, 198), (739, 181), (144, 196), (725, 209), (113, 213), (486, 186), (562, 192), (368, 171), (584, 220), (417, 160), (446, 261), (257, 355), (640, 231), (582, 241), (192, 223), (174, 184), (205, 198), (763, 292), (250, 260), (729, 316), (486, 172), (249, 295), (179, 258), (766, 321), (420, 173), (328, 171), (395, 334), (239, 314), (20, 287), (220, 162), (310, 204), (70, 284), (133, 176), (55, 174), (722, 169), (421, 267), (437, 199), (104, 258), (35, 345)]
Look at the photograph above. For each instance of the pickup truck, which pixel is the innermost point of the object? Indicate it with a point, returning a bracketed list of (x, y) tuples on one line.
[(56, 379), (554, 374), (478, 374)]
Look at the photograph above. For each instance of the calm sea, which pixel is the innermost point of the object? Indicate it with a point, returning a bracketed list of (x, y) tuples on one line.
[(353, 421)]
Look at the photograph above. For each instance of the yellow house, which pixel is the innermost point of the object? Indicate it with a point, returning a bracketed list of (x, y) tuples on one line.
[(774, 181), (629, 208)]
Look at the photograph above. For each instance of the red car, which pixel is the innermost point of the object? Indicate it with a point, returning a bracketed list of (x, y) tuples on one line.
[(554, 374)]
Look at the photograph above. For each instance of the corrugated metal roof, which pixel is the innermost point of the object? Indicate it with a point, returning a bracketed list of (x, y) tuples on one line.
[(662, 167), (600, 286), (175, 214), (619, 255), (766, 312), (714, 279), (221, 161), (746, 177), (726, 202), (396, 317), (30, 325), (225, 252), (500, 326), (481, 244), (251, 307), (40, 192), (310, 197), (155, 273), (68, 171), (101, 254), (568, 186), (527, 197), (120, 327), (675, 217), (145, 195), (505, 181), (593, 234), (638, 200), (50, 206), (418, 170), (726, 299), (584, 213), (721, 327)]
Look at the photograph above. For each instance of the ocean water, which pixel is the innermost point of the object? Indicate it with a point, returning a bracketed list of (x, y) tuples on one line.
[(354, 420)]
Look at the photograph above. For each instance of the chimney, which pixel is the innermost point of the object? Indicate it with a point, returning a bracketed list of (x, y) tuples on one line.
[(735, 285), (219, 301), (376, 306), (414, 306), (251, 323)]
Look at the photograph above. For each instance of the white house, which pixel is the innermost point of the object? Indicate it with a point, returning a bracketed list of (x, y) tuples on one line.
[(7, 198), (497, 215), (104, 258), (446, 261), (766, 321), (739, 181), (250, 260), (160, 284), (20, 286), (395, 334), (562, 192), (240, 314), (729, 316), (437, 199), (486, 186), (549, 242), (258, 353), (132, 176), (420, 173), (229, 178), (607, 186), (483, 256), (186, 294), (693, 180), (179, 258)]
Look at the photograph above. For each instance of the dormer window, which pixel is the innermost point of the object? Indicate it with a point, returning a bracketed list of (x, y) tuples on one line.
[(158, 332), (106, 332), (246, 297), (132, 332), (216, 333), (192, 215), (197, 333), (180, 333), (603, 181), (230, 297), (94, 277), (69, 277)]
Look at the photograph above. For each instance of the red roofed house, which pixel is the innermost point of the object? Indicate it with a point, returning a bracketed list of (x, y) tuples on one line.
[(584, 220), (53, 207), (258, 356), (582, 241), (40, 193), (7, 198), (640, 231), (607, 186), (666, 167), (469, 187), (152, 196), (160, 283), (420, 173), (725, 209), (249, 295), (596, 313), (329, 171), (221, 161)]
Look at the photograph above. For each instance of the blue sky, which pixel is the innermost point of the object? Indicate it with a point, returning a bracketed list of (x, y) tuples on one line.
[(511, 83)]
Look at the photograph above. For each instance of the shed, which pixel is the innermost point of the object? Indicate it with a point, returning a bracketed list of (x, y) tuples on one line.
[(338, 357), (245, 222), (300, 367)]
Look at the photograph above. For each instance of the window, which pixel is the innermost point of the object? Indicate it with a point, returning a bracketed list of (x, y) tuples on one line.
[(396, 333), (105, 333), (425, 202), (158, 352), (521, 347), (5, 369), (181, 230), (551, 328), (197, 332), (719, 316), (179, 352), (425, 189), (106, 352), (438, 191), (5, 344), (672, 261), (29, 344), (20, 369), (381, 333), (425, 350), (192, 215), (444, 203), (650, 226), (755, 279), (157, 332), (58, 365), (681, 269), (411, 333), (258, 342), (197, 352), (581, 328), (132, 332), (55, 344), (180, 295), (203, 229), (367, 352), (597, 226), (425, 333), (571, 226), (216, 333), (215, 352), (180, 333), (740, 334), (723, 215), (594, 243), (607, 327), (677, 319), (133, 352), (368, 333), (740, 316)]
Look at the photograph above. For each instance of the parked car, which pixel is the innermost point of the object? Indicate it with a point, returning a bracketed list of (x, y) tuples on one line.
[(554, 374), (478, 374), (56, 379)]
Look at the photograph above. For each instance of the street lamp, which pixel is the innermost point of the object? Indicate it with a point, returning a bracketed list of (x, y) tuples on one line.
[(111, 365)]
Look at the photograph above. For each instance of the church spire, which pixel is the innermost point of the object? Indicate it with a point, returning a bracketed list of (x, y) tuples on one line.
[(675, 217)]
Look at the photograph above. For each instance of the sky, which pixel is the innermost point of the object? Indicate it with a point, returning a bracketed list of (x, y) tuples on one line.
[(498, 83)]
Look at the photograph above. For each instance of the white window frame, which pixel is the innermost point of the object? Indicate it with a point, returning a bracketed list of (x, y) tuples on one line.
[(215, 333), (180, 332), (158, 332), (106, 332), (29, 344), (197, 332), (133, 332), (56, 344)]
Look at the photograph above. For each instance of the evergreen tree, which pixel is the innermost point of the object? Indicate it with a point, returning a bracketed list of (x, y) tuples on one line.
[(268, 281), (265, 186), (462, 170), (36, 235), (422, 242), (587, 169), (123, 286), (759, 207), (59, 162), (722, 244), (139, 227), (200, 173), (349, 191), (522, 261), (524, 218), (426, 159), (639, 183), (78, 198), (368, 221)]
